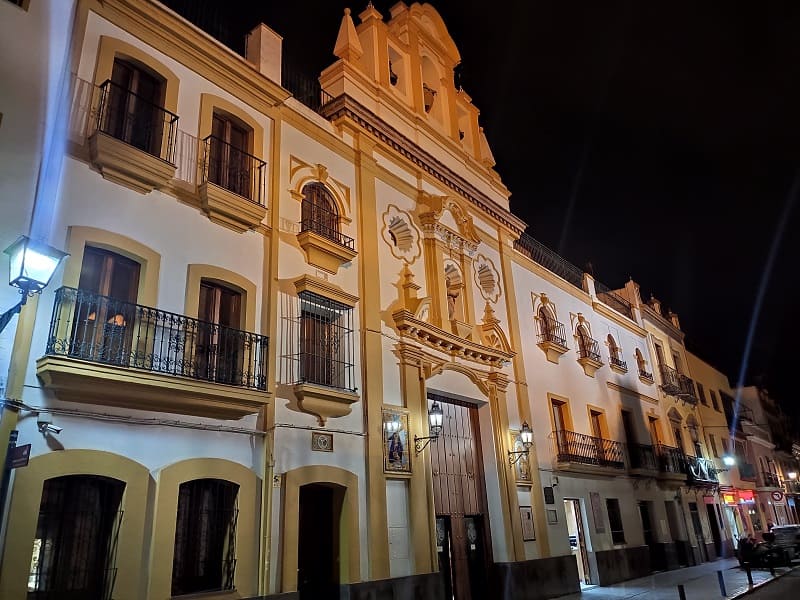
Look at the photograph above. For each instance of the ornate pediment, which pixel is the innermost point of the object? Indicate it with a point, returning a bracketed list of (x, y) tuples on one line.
[(446, 220)]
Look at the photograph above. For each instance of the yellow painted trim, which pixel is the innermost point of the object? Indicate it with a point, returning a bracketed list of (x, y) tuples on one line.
[(109, 48), (567, 411), (590, 408), (78, 237), (209, 102), (197, 272), (349, 536), (613, 315), (308, 283), (166, 510), (25, 503)]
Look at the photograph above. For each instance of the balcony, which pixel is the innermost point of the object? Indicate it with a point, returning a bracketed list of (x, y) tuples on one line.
[(643, 459), (618, 365), (589, 355), (232, 188), (791, 487), (671, 464), (552, 338), (134, 140), (325, 246), (770, 480), (105, 351), (701, 471), (584, 453), (676, 384), (646, 376)]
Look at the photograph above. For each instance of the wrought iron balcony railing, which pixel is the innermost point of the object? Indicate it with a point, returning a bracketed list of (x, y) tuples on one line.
[(589, 348), (326, 224), (671, 460), (235, 170), (100, 329), (676, 384), (645, 374), (619, 363), (769, 479), (572, 447), (551, 331), (642, 456), (701, 470), (135, 120)]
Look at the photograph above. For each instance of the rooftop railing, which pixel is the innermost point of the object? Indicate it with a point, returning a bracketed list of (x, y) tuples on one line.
[(553, 262), (610, 298)]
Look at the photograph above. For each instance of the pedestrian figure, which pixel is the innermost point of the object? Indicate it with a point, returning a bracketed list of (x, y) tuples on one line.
[(746, 549)]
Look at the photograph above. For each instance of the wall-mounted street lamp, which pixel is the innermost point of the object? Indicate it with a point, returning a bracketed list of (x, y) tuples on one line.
[(526, 435), (792, 475), (728, 460), (32, 265), (435, 417)]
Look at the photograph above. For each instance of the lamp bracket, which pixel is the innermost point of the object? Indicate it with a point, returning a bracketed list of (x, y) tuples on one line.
[(420, 443)]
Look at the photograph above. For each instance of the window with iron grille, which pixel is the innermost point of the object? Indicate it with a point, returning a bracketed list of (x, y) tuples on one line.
[(74, 549), (205, 536), (326, 344), (615, 521)]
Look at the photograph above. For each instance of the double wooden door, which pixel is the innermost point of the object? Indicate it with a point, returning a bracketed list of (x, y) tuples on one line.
[(462, 532)]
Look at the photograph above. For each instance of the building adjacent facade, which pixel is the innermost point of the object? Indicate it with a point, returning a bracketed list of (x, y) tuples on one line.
[(299, 341)]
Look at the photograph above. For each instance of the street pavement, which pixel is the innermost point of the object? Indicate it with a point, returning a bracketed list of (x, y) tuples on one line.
[(700, 583), (786, 588)]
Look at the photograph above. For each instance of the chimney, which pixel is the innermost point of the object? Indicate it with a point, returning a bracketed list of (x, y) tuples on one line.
[(264, 51)]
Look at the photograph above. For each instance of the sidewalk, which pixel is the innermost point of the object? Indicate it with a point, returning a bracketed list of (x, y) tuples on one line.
[(700, 583)]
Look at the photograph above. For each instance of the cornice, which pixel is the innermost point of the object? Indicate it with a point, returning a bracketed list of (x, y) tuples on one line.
[(165, 30), (623, 390), (663, 323), (610, 313), (345, 107)]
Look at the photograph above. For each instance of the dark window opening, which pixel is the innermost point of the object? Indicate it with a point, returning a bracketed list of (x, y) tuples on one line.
[(76, 539), (220, 349), (615, 521), (320, 214), (228, 161), (205, 536)]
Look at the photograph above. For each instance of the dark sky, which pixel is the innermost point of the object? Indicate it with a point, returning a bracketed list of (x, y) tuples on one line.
[(658, 140)]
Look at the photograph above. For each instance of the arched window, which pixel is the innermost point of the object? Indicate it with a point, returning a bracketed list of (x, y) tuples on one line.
[(587, 346), (319, 213), (205, 534), (76, 537), (642, 365)]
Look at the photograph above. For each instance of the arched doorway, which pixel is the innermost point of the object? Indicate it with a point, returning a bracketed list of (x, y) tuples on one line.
[(319, 540)]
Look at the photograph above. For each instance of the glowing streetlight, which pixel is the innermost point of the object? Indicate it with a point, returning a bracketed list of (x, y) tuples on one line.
[(31, 266)]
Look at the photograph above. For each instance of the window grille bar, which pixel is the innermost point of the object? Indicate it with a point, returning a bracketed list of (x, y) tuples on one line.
[(132, 119), (101, 329), (619, 362), (326, 342), (588, 348)]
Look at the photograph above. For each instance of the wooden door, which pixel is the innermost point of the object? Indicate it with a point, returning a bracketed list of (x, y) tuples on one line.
[(460, 502), (219, 350)]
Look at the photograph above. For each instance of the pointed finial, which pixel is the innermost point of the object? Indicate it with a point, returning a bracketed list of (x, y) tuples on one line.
[(348, 46)]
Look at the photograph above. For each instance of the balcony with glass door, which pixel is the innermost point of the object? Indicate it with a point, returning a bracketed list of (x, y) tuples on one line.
[(107, 351)]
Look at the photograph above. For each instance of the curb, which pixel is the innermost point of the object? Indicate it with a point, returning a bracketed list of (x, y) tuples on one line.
[(760, 585)]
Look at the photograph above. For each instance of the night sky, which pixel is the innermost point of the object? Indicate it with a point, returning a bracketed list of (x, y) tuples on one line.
[(656, 140)]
